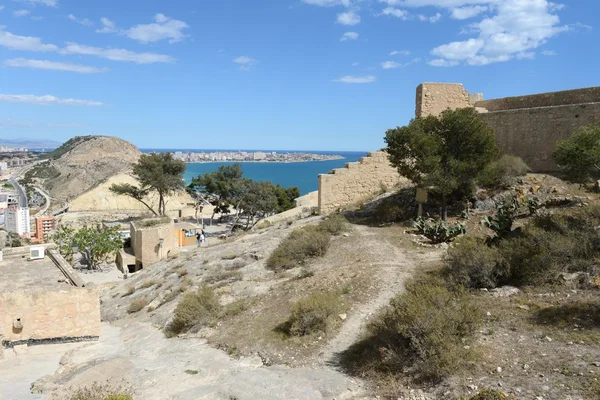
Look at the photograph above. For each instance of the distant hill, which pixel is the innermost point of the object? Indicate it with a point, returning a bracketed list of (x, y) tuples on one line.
[(83, 163), (30, 143)]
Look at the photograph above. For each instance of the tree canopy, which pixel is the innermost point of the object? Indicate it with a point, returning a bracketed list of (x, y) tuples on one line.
[(579, 156), (227, 187), (95, 245), (158, 173), (445, 153)]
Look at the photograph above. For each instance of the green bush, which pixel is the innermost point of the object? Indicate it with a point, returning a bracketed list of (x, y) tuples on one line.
[(313, 314), (298, 247), (490, 395), (579, 155), (439, 231), (503, 172), (423, 332), (99, 391), (195, 309), (335, 224), (471, 263), (137, 305), (390, 210)]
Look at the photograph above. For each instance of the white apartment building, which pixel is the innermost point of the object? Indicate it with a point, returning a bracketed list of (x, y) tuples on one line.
[(3, 165), (17, 220)]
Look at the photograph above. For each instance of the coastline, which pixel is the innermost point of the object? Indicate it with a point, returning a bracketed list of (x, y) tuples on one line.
[(265, 161)]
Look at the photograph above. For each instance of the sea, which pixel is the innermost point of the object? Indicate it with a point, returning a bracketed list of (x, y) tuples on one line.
[(304, 175)]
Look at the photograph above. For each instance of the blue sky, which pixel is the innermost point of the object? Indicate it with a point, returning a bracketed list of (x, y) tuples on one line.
[(273, 74)]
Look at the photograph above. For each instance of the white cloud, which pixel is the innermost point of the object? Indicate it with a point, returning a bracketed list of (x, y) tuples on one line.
[(107, 26), (348, 18), (163, 28), (394, 64), (433, 19), (396, 12), (26, 43), (52, 65), (390, 65), (46, 100), (349, 36), (21, 13), (116, 54), (356, 79), (549, 53), (439, 62), (49, 3), (512, 30), (1, 7), (246, 63), (467, 12), (400, 52), (81, 21), (328, 3)]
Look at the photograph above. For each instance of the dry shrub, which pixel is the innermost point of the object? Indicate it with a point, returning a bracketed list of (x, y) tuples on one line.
[(471, 263), (503, 172), (423, 332), (130, 290), (224, 277), (335, 224), (99, 391), (150, 283), (195, 309), (390, 210), (312, 314), (298, 247), (491, 395), (137, 305)]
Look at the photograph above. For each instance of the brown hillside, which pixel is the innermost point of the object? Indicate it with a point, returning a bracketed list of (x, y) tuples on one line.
[(86, 163)]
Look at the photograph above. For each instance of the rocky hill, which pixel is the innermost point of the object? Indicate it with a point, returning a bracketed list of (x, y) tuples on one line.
[(84, 163)]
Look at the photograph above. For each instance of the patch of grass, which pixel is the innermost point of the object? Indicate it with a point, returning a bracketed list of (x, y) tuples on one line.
[(301, 245), (148, 223), (149, 283), (236, 308), (422, 333), (584, 314), (137, 305), (305, 273), (231, 256), (97, 391), (237, 264), (264, 224), (192, 371), (390, 210), (312, 314), (196, 309), (473, 264), (335, 224), (129, 291), (224, 277)]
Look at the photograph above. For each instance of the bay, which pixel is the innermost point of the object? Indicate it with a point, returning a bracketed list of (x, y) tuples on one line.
[(301, 174)]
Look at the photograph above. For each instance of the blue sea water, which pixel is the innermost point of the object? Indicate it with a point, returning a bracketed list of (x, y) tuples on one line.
[(301, 174)]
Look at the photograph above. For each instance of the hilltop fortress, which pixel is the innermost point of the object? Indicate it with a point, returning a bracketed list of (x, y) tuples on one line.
[(524, 126)]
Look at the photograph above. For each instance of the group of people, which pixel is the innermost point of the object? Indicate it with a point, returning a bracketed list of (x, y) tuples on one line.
[(201, 237)]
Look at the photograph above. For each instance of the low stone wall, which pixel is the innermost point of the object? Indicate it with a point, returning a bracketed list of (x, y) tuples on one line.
[(49, 315), (356, 181)]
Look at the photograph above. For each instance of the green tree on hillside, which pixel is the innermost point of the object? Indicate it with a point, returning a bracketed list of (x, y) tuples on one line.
[(95, 245), (444, 153), (158, 173), (579, 156), (219, 187)]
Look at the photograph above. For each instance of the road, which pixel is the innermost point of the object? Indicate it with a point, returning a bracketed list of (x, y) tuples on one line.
[(46, 205), (22, 195)]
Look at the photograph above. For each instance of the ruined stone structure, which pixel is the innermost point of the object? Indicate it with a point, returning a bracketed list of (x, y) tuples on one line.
[(525, 126), (146, 242), (356, 181)]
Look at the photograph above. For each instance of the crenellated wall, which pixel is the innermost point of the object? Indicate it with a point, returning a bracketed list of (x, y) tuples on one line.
[(356, 181)]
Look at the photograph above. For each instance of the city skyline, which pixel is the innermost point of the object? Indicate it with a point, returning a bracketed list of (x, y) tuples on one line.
[(253, 76)]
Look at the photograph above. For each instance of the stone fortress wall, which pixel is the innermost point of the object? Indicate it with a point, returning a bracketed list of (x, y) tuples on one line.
[(356, 181), (50, 314), (525, 126)]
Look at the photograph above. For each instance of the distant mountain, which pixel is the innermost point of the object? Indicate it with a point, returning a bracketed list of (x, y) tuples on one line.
[(30, 143)]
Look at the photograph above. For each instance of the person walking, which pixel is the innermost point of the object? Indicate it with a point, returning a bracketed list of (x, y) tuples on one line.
[(203, 237), (198, 236)]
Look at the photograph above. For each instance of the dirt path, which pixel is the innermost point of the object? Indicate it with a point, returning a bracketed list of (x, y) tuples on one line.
[(393, 267)]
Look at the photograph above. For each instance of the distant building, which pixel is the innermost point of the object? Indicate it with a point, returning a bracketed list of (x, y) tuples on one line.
[(259, 155), (17, 221), (43, 226), (3, 165)]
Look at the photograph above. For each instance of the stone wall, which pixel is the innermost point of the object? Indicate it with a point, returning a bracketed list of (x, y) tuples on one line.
[(356, 181), (145, 242), (563, 98), (525, 126), (50, 314), (433, 98), (532, 133)]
